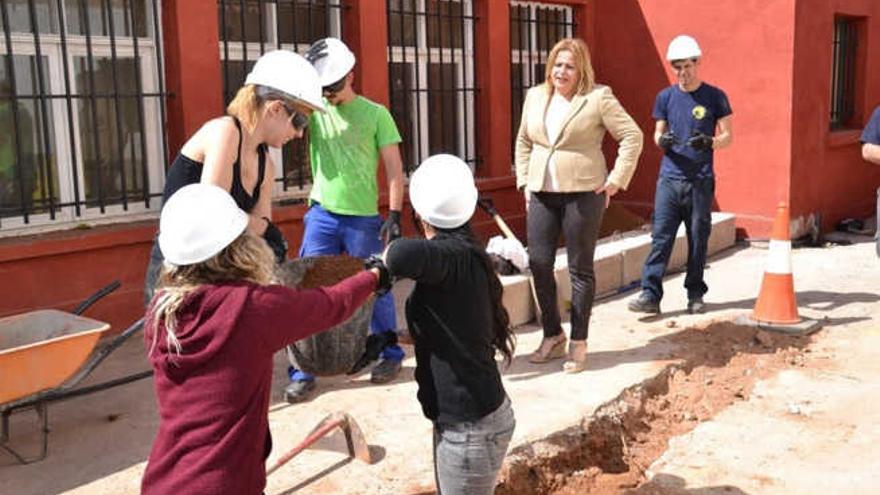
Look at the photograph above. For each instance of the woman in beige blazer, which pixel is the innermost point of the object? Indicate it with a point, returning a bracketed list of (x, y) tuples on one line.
[(562, 171)]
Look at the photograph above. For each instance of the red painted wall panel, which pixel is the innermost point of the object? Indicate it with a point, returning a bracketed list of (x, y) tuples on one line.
[(747, 48), (828, 173)]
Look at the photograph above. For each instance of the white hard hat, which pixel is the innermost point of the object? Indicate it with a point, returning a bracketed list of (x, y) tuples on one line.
[(442, 191), (337, 64), (683, 47), (197, 222), (289, 73)]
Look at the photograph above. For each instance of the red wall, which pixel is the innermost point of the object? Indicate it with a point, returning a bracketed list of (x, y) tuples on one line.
[(777, 79), (828, 173), (747, 48)]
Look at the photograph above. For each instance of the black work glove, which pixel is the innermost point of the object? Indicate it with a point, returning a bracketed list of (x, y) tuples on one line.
[(390, 228), (376, 343), (317, 51), (666, 140), (275, 239), (700, 141), (384, 283)]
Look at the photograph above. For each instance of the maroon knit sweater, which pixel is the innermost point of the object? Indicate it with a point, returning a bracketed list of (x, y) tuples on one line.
[(214, 397)]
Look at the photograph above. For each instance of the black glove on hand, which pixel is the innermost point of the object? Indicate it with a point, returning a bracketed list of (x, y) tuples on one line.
[(384, 284), (376, 343), (275, 239), (317, 50), (391, 227), (666, 140), (700, 141)]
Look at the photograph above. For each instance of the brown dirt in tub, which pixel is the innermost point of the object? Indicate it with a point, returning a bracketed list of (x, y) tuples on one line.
[(328, 270), (610, 451)]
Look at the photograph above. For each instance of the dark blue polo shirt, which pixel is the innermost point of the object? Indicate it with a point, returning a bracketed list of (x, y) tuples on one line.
[(871, 134), (686, 112)]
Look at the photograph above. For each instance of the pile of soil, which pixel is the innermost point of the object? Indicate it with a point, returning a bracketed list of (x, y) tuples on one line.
[(328, 270), (610, 452)]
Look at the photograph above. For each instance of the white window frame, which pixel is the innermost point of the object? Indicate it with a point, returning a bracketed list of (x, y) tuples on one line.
[(465, 99), (530, 56), (150, 67)]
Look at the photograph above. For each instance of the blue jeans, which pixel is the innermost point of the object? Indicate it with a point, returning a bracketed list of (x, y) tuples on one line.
[(468, 455), (328, 233), (676, 201)]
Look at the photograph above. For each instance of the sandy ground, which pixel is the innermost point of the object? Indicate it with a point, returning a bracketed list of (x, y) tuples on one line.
[(804, 425)]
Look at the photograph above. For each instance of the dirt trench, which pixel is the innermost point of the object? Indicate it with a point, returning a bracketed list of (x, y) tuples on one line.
[(610, 451)]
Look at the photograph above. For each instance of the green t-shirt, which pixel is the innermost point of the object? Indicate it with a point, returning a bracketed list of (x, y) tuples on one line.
[(344, 150)]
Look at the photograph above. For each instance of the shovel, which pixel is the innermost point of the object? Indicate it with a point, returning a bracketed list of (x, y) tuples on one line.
[(514, 249), (354, 437)]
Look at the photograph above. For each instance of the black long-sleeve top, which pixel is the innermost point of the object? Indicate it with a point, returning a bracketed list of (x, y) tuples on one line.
[(449, 315)]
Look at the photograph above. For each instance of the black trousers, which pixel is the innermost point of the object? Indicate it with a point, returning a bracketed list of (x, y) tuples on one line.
[(578, 216)]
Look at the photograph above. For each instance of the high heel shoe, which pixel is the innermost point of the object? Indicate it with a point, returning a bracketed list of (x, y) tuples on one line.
[(577, 361), (551, 348)]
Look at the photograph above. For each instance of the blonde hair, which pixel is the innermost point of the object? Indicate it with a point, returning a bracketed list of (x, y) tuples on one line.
[(247, 258), (250, 99), (581, 54)]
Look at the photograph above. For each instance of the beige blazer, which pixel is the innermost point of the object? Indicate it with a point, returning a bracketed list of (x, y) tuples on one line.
[(580, 164)]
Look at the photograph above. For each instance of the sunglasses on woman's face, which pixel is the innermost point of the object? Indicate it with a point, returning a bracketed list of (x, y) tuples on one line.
[(298, 120)]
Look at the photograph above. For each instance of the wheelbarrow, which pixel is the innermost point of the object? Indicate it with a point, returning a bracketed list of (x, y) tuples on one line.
[(44, 355)]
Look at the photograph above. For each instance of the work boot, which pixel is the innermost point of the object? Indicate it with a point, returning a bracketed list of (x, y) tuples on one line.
[(386, 371), (696, 306), (644, 304)]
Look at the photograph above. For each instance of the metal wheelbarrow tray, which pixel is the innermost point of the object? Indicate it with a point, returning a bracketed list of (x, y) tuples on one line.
[(44, 355)]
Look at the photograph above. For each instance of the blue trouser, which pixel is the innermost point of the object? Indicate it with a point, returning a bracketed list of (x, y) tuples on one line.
[(329, 233), (676, 201)]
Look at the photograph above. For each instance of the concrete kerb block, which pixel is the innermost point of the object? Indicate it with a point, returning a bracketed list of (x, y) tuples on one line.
[(517, 298), (723, 232), (608, 268), (633, 252)]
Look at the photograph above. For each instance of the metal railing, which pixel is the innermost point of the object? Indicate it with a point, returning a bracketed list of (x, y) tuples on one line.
[(534, 29), (431, 62), (249, 28), (843, 73), (81, 109)]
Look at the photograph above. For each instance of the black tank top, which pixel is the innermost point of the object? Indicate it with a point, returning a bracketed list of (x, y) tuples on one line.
[(185, 171)]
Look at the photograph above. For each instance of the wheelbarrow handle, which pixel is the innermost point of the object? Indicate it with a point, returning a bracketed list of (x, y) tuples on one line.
[(96, 296)]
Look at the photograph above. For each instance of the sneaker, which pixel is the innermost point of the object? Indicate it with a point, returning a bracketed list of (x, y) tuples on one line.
[(644, 304), (299, 391), (386, 371), (696, 306)]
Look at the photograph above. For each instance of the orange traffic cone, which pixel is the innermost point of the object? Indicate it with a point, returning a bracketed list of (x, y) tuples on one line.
[(776, 302)]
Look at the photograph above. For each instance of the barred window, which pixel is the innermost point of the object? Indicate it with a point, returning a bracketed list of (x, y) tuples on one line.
[(249, 28), (534, 29), (431, 70), (843, 72), (81, 110)]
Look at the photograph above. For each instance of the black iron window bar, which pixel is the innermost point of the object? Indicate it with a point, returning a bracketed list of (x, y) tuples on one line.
[(534, 29), (249, 28), (843, 74), (73, 36), (433, 87)]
